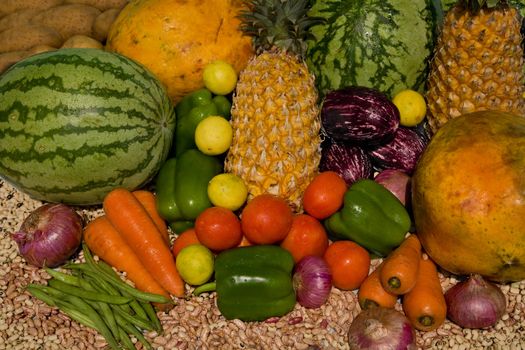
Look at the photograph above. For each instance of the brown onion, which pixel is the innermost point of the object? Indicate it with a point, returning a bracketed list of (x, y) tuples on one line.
[(380, 328), (50, 235), (475, 303)]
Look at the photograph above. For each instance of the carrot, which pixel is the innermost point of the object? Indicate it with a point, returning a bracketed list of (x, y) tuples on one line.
[(371, 293), (137, 228), (399, 271), (147, 199), (105, 241), (425, 305)]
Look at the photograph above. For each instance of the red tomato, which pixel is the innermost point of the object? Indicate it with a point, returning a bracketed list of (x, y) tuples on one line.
[(349, 264), (307, 236), (218, 228), (324, 195), (183, 240), (266, 219)]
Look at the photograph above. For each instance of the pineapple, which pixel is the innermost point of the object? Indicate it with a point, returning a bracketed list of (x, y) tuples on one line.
[(478, 64), (275, 113)]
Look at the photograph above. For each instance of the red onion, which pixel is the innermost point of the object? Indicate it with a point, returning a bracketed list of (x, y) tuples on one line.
[(396, 181), (475, 303), (49, 235), (380, 328), (312, 281)]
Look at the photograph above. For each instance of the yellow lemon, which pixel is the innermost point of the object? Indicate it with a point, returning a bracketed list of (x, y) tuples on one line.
[(195, 264), (213, 135), (412, 107), (219, 77), (228, 191)]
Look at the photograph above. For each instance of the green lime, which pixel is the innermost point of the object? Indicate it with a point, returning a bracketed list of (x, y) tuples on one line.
[(213, 135), (195, 264), (228, 191), (412, 107), (219, 77)]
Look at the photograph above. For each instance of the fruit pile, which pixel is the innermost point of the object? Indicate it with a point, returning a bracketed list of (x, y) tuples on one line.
[(274, 157)]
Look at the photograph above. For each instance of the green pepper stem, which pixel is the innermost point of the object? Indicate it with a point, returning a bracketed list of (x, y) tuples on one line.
[(207, 287)]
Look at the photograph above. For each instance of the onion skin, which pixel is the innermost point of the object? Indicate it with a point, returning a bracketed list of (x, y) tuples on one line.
[(380, 328), (312, 281), (50, 235), (475, 303), (397, 182)]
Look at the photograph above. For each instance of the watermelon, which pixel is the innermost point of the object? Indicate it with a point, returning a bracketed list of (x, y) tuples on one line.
[(381, 44), (77, 123)]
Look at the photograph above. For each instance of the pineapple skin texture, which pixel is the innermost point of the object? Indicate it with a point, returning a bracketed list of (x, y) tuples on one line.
[(276, 145), (478, 65), (175, 39)]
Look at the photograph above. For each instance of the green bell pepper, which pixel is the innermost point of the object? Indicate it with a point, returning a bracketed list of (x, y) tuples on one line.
[(253, 283), (191, 110), (372, 217), (182, 186)]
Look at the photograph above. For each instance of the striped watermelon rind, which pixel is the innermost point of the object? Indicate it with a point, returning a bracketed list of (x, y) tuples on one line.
[(76, 123), (380, 44)]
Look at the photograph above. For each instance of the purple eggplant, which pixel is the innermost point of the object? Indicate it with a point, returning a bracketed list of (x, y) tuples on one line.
[(351, 162), (401, 153), (359, 114)]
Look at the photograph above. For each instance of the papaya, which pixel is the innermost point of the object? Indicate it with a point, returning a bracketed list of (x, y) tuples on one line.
[(468, 196), (176, 39)]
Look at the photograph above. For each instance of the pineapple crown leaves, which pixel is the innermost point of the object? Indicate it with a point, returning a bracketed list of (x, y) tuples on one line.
[(282, 24)]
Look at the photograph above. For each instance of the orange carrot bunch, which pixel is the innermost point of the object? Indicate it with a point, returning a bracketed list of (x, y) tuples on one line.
[(425, 305), (133, 238)]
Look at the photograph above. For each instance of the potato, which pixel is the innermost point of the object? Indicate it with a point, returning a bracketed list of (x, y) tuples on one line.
[(26, 36), (69, 20), (10, 6), (103, 22), (40, 48), (82, 41), (102, 5), (9, 58), (17, 18)]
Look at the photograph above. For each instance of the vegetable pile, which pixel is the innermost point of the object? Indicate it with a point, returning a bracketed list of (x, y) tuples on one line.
[(196, 225)]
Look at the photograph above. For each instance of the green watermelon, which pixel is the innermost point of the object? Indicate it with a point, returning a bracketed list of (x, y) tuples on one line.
[(76, 123), (381, 44)]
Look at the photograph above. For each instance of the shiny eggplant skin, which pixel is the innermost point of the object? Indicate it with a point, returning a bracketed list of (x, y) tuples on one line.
[(359, 114), (350, 161), (402, 152)]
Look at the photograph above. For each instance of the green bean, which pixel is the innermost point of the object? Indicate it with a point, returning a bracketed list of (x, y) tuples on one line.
[(134, 320), (130, 329), (66, 307), (40, 294), (104, 287), (76, 315), (152, 316), (107, 315), (125, 339), (92, 314), (121, 285), (55, 293), (135, 304), (87, 294), (137, 308), (64, 277)]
